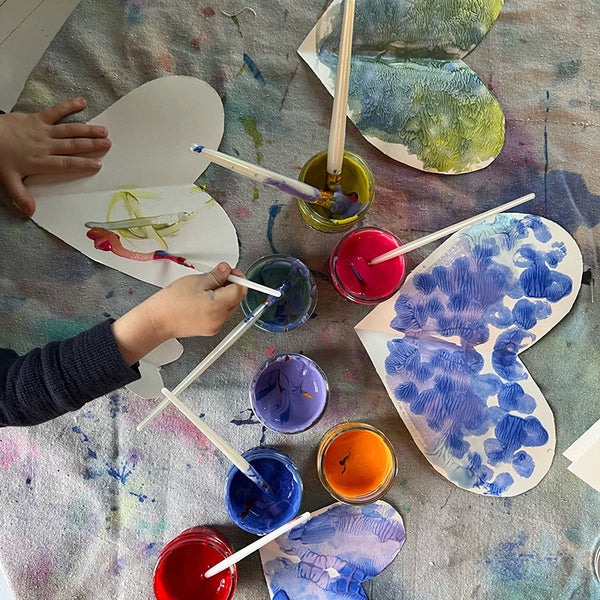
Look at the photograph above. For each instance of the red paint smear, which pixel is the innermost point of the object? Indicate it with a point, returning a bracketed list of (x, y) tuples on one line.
[(165, 62), (109, 241), (270, 351), (243, 213), (287, 87), (209, 11)]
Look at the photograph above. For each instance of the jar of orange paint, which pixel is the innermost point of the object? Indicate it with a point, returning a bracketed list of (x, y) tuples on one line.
[(356, 463)]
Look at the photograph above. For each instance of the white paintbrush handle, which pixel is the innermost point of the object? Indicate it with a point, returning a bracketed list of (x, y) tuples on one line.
[(237, 459), (210, 358), (202, 268), (254, 546), (337, 132), (301, 190), (448, 230)]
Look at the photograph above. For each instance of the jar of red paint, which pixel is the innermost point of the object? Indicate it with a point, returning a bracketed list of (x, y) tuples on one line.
[(179, 571)]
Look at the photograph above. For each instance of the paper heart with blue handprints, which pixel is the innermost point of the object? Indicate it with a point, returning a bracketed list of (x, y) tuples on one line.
[(410, 93), (447, 349), (333, 553)]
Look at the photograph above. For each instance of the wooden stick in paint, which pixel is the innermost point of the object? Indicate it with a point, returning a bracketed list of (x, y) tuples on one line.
[(337, 132), (448, 230), (224, 345), (296, 188)]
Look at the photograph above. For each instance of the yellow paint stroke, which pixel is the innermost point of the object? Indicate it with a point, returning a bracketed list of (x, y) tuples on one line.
[(156, 232)]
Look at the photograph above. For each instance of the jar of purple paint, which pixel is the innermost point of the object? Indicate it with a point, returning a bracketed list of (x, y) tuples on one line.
[(288, 393)]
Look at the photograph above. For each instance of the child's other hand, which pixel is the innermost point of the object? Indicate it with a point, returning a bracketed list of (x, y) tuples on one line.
[(190, 306), (33, 144)]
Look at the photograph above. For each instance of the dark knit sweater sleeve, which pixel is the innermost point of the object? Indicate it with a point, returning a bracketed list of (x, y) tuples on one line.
[(60, 377)]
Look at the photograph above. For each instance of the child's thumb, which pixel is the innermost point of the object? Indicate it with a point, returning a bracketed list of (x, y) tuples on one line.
[(219, 275)]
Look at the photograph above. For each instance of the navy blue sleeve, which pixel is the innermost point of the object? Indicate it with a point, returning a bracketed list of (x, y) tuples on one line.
[(60, 377)]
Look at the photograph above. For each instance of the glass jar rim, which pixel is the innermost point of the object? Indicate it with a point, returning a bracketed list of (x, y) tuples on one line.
[(313, 295)]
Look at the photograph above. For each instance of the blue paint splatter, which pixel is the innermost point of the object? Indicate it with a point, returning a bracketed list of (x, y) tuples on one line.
[(120, 475), (117, 405), (251, 420), (511, 561), (254, 70), (273, 212), (10, 304), (141, 497), (84, 437)]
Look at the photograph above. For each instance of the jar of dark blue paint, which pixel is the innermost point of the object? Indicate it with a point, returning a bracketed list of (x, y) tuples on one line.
[(257, 510)]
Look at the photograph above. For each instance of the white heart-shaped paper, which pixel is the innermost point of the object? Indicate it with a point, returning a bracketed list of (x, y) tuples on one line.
[(150, 384), (447, 349), (151, 129)]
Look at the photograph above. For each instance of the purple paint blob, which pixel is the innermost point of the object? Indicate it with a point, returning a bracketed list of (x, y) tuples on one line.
[(288, 393)]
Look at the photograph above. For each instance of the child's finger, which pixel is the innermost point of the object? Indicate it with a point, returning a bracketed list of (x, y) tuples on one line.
[(230, 296), (58, 111), (79, 146), (78, 130), (66, 164), (20, 195)]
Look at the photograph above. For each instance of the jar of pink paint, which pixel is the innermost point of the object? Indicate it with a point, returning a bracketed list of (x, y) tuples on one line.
[(352, 275)]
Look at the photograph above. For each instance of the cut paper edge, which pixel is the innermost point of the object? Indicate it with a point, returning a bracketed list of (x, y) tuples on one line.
[(586, 466), (582, 444), (271, 554), (151, 383)]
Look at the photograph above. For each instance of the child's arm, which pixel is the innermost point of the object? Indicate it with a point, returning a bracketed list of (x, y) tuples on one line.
[(63, 376), (32, 144)]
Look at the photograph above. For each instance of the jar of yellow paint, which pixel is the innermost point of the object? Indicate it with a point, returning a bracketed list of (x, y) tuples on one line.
[(357, 183), (356, 463)]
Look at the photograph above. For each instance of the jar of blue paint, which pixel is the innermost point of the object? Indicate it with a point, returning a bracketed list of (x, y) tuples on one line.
[(260, 511), (288, 393), (299, 300)]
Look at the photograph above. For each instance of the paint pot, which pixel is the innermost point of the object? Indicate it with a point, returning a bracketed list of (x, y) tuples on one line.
[(288, 393), (357, 182), (597, 563), (260, 511), (179, 571), (295, 306), (351, 274), (356, 463)]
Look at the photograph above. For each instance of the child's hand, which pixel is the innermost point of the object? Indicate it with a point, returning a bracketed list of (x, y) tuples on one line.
[(190, 306), (33, 144)]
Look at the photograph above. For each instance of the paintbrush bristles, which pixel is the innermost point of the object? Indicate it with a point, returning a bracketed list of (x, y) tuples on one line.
[(337, 133)]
